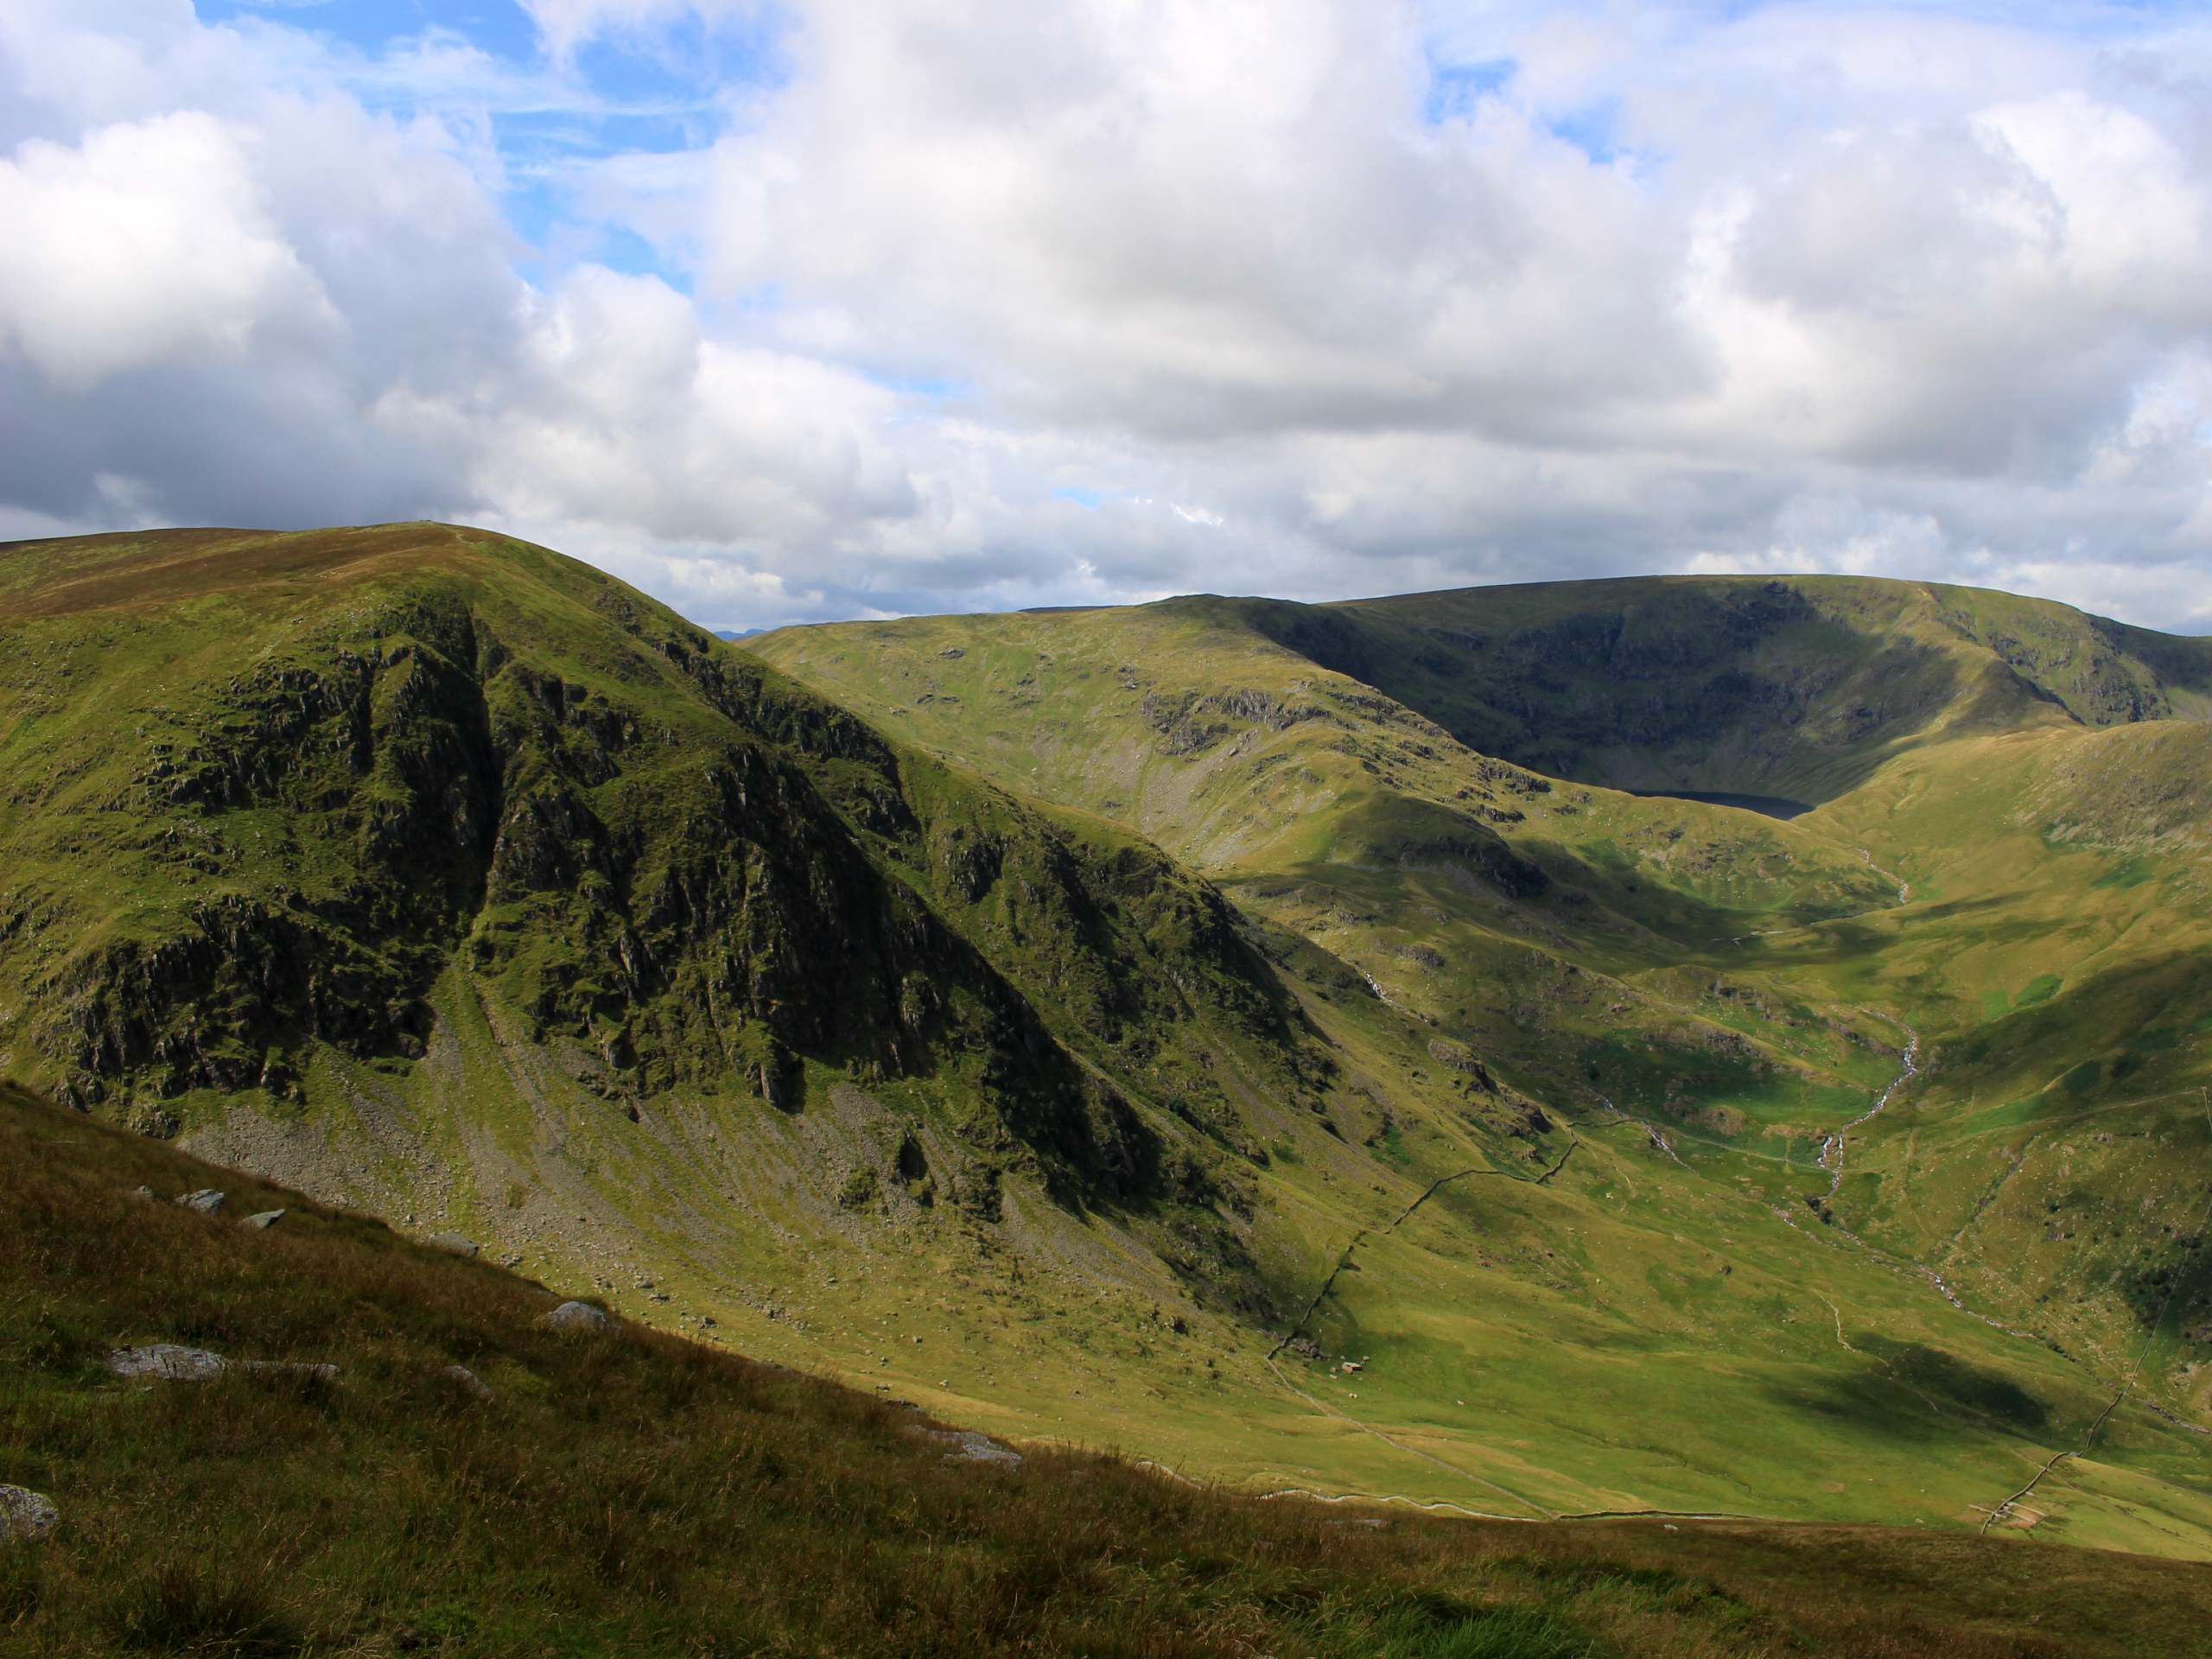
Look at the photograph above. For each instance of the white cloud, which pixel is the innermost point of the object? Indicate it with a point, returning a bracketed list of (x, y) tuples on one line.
[(150, 243), (1813, 287), (621, 413)]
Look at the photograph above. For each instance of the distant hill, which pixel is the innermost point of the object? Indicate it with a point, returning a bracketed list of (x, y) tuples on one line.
[(1802, 684)]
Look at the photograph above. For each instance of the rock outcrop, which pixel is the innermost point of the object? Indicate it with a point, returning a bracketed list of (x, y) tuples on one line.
[(967, 1445), (171, 1363), (465, 1380), (27, 1515), (168, 1360)]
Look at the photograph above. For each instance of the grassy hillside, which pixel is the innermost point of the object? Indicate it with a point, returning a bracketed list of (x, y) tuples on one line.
[(1711, 996), (268, 790), (1123, 1029), (448, 877), (631, 1493)]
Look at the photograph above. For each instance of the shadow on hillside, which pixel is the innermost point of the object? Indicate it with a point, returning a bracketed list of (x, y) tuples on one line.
[(1892, 1393), (1671, 672)]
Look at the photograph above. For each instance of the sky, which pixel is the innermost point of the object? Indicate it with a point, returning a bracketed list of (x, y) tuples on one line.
[(790, 312)]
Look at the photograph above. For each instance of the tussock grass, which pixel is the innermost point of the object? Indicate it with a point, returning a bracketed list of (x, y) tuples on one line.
[(638, 1494)]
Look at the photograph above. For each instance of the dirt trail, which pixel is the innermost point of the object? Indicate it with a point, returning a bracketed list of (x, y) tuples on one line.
[(1842, 1341), (1328, 1410), (1539, 1512), (1652, 1133), (1832, 1154), (1431, 1505), (1836, 1231), (1831, 1159)]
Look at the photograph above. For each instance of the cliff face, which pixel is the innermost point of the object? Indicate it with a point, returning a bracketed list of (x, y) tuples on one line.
[(248, 818)]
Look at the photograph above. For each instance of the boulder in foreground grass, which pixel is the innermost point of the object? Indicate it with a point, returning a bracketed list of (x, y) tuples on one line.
[(25, 1514), (168, 1361), (578, 1316), (461, 1377), (452, 1244), (265, 1220), (172, 1363), (207, 1201), (967, 1445)]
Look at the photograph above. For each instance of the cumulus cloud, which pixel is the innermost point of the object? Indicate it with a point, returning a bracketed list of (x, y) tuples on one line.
[(149, 243), (621, 413), (984, 303)]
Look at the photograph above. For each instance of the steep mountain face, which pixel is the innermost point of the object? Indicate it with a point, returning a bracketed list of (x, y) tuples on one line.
[(1501, 908), (267, 794), (1251, 1034)]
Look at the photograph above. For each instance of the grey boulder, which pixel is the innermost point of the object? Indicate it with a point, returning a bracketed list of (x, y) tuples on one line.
[(461, 1377), (578, 1316), (452, 1243), (168, 1360), (172, 1363), (265, 1220), (25, 1514), (967, 1445), (207, 1201)]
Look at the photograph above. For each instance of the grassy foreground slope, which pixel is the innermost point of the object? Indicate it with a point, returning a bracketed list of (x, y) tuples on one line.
[(635, 1493)]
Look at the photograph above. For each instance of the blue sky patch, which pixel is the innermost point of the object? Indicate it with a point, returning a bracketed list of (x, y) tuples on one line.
[(1454, 89), (659, 92)]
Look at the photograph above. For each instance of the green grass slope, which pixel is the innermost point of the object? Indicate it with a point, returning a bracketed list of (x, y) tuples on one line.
[(1746, 1291), (636, 1494), (1123, 1029)]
